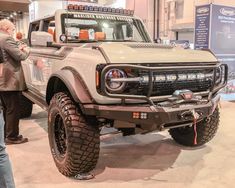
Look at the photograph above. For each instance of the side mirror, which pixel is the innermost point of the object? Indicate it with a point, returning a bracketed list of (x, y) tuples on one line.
[(41, 38), (129, 31)]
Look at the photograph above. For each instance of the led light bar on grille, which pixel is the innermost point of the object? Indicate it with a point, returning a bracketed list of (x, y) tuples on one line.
[(165, 78), (86, 8)]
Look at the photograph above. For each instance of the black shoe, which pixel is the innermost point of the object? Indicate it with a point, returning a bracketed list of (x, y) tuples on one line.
[(18, 140)]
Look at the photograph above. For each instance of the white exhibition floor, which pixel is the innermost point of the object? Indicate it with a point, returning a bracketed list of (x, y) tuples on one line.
[(151, 160)]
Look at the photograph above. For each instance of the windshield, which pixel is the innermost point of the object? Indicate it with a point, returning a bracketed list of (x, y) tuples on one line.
[(92, 28)]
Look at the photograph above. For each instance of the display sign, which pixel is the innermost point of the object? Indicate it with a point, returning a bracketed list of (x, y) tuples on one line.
[(202, 27), (223, 30), (215, 30)]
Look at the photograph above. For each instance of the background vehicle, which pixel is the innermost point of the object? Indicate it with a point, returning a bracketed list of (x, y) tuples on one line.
[(96, 66)]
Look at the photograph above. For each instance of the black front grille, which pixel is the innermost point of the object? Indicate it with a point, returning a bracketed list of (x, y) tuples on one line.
[(161, 88), (168, 88), (142, 82)]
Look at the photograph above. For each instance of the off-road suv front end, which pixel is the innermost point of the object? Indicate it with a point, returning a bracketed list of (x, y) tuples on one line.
[(100, 68)]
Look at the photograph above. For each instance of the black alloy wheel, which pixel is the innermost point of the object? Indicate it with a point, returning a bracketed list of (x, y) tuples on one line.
[(74, 141)]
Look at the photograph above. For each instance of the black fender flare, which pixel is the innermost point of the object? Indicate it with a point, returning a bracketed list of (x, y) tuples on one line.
[(71, 79)]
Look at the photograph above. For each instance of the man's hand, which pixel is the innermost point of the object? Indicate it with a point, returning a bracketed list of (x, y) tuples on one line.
[(24, 48)]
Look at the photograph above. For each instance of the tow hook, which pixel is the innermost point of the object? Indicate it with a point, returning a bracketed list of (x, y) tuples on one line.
[(190, 115)]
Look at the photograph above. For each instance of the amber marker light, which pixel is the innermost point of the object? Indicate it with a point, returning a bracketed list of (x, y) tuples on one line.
[(136, 115), (139, 115), (97, 78)]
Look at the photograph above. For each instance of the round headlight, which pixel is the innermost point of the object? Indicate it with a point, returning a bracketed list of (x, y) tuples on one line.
[(115, 86)]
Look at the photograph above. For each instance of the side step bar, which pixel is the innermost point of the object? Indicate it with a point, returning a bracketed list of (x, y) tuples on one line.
[(35, 99)]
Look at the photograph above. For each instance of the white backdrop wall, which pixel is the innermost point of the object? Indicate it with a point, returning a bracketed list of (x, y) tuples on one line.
[(23, 24), (43, 8)]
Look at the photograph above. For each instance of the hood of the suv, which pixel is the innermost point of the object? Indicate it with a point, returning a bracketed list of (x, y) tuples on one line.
[(153, 53)]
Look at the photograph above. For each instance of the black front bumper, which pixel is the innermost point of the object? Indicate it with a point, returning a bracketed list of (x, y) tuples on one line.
[(157, 118)]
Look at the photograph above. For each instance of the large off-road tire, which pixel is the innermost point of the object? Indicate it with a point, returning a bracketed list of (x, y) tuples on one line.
[(26, 107), (206, 130), (74, 142)]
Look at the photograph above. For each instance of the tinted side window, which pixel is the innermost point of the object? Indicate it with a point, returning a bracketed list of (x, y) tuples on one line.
[(32, 27)]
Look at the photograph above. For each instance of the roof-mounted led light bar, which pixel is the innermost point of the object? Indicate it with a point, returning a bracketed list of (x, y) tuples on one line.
[(86, 8)]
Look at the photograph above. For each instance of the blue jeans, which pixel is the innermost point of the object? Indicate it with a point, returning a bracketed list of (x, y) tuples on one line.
[(6, 175)]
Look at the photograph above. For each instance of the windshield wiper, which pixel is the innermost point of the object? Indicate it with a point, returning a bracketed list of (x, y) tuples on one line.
[(82, 41), (92, 41), (128, 40), (119, 41)]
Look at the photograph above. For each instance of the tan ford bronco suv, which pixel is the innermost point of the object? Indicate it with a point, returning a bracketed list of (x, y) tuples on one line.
[(91, 67)]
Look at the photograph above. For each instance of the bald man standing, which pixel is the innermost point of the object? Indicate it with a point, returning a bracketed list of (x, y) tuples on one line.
[(11, 81)]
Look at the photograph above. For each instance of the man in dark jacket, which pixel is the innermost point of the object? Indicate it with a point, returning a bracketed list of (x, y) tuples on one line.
[(11, 81)]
